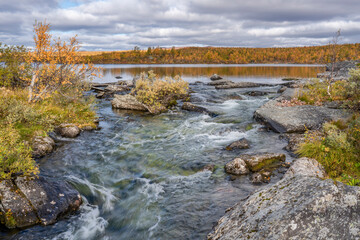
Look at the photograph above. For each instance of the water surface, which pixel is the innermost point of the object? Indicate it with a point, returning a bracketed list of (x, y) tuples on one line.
[(141, 176)]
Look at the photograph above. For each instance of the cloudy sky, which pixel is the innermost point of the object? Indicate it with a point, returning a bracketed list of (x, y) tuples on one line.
[(123, 24)]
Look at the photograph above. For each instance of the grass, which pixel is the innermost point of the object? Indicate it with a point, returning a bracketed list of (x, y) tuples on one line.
[(336, 147), (21, 121)]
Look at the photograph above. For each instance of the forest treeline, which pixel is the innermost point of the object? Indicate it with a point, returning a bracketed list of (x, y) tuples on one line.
[(227, 55)]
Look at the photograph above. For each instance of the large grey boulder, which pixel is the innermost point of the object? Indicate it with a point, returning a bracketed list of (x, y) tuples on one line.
[(28, 201), (300, 206), (42, 145), (127, 102), (296, 118)]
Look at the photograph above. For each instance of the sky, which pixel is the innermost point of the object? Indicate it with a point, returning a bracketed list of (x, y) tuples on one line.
[(123, 24)]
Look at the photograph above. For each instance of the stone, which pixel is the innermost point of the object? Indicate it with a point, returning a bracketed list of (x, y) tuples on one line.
[(118, 77), (127, 83), (220, 82), (240, 144), (296, 119), (306, 167), (209, 167), (240, 85), (49, 198), (42, 145), (215, 77), (127, 102), (15, 209), (300, 206), (68, 130), (193, 108), (237, 167), (257, 162), (257, 178)]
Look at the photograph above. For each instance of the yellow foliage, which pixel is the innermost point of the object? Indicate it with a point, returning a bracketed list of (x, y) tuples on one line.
[(159, 94)]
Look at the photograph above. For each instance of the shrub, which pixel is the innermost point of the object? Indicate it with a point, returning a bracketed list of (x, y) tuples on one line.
[(159, 94), (337, 149), (15, 154)]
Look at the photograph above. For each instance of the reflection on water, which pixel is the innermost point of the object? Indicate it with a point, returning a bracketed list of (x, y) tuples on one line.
[(259, 73)]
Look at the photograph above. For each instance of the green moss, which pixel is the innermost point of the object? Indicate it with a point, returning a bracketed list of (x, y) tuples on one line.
[(249, 127)]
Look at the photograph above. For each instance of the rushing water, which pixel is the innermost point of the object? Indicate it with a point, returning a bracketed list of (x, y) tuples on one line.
[(140, 175)]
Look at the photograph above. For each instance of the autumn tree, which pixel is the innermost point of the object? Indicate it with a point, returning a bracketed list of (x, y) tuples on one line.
[(55, 66)]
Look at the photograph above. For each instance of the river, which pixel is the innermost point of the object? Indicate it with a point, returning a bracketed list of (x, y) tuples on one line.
[(140, 175)]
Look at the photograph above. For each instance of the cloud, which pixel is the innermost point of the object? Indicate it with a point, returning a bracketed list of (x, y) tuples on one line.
[(118, 24)]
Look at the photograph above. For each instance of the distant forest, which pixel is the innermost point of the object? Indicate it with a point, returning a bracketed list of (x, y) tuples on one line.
[(226, 55)]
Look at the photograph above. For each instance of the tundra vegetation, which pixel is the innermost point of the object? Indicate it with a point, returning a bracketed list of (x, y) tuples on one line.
[(337, 144), (39, 89), (159, 94)]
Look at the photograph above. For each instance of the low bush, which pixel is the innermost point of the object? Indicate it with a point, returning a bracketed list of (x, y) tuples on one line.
[(336, 147), (159, 94)]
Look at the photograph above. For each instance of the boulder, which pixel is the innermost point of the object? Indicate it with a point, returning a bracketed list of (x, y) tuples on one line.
[(15, 209), (68, 130), (282, 89), (240, 144), (296, 119), (27, 201), (237, 167), (193, 108), (127, 83), (240, 85), (127, 102), (257, 162), (42, 145), (260, 177), (215, 77), (300, 206)]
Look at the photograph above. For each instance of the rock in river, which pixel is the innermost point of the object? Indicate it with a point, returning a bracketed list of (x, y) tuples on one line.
[(68, 130), (260, 161), (296, 118), (215, 77), (127, 102), (300, 206), (237, 167), (42, 145), (240, 85), (28, 201), (240, 144), (193, 108)]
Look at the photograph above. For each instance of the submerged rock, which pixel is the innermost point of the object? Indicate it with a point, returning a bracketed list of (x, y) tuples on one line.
[(300, 206), (256, 93), (193, 108), (127, 102), (68, 130), (240, 144), (296, 118), (237, 167), (29, 201), (215, 77), (42, 145)]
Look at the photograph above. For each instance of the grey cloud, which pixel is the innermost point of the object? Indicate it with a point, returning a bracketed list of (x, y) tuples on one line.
[(119, 24)]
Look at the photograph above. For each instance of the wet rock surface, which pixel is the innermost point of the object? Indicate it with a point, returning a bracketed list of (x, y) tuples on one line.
[(193, 108), (42, 145), (240, 85), (127, 102), (28, 201), (68, 130), (240, 144), (260, 161), (215, 77), (237, 167), (300, 206)]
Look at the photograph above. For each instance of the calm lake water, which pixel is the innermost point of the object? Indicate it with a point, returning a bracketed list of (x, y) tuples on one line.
[(140, 175)]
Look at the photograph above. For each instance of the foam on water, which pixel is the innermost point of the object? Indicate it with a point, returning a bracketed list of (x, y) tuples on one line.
[(104, 193)]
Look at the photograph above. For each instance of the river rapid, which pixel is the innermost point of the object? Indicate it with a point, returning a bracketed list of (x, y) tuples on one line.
[(141, 176)]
